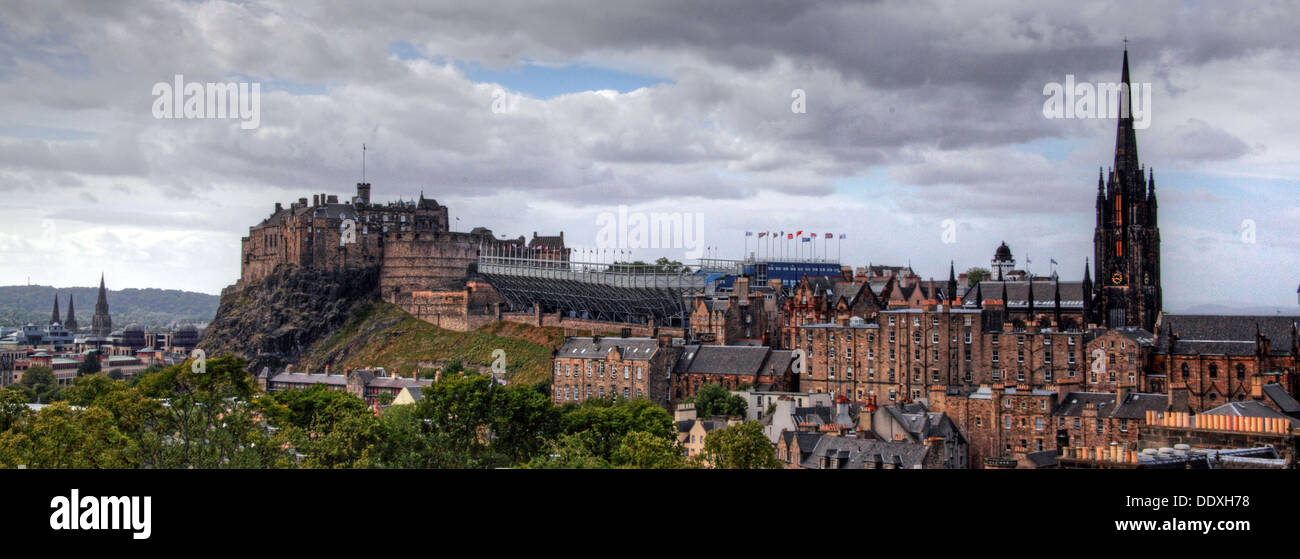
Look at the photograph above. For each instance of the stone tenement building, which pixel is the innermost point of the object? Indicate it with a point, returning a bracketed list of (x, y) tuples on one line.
[(598, 366), (409, 241)]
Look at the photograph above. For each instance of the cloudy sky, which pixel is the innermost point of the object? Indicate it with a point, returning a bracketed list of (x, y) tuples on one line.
[(525, 118)]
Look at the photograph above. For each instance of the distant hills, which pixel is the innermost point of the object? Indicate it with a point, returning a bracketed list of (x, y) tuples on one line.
[(150, 308), (1238, 310)]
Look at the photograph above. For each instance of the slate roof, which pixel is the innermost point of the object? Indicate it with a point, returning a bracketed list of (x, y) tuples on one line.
[(1134, 406), (1018, 294), (854, 453), (1042, 458), (827, 415), (1285, 401), (730, 360), (304, 378), (633, 349), (1250, 409), (1224, 334), (922, 424)]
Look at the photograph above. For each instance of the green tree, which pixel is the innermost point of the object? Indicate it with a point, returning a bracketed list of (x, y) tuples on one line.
[(742, 446), (607, 420), (316, 407), (40, 385), (712, 399), (646, 451), (210, 420), (13, 407), (89, 365), (493, 424), (570, 452), (977, 274), (61, 436)]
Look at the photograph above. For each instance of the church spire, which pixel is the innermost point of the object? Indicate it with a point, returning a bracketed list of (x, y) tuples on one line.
[(1126, 155), (102, 322), (71, 322), (54, 318)]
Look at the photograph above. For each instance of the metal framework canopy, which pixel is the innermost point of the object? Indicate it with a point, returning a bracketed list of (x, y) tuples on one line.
[(597, 291)]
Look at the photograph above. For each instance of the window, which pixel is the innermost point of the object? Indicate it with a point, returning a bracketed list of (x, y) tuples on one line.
[(934, 321), (1185, 371), (891, 320), (1020, 355), (1099, 426), (627, 372), (559, 368), (1241, 372), (626, 392), (1038, 424), (1214, 371), (934, 338), (1078, 423), (1123, 425), (1020, 340), (995, 355), (1006, 422), (638, 372)]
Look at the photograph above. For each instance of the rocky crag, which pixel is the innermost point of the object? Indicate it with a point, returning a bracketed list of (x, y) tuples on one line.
[(274, 321)]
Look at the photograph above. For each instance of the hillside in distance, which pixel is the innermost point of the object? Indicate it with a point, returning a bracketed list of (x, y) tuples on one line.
[(150, 308)]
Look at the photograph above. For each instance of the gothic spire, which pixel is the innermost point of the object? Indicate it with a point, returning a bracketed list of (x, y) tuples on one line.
[(71, 322), (952, 282), (1031, 298), (1126, 155), (54, 318)]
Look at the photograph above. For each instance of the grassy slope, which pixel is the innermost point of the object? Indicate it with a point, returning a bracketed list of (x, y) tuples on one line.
[(382, 335)]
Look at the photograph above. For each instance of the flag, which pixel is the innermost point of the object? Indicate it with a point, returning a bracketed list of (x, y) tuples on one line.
[(762, 234), (800, 233), (1055, 262), (790, 236), (843, 236), (749, 233), (806, 239), (829, 236)]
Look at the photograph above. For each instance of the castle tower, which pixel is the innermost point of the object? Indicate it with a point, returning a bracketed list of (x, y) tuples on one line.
[(1127, 241), (71, 322), (101, 324), (54, 318)]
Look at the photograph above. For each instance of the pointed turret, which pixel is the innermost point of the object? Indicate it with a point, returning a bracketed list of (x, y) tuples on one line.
[(54, 318), (1031, 299), (952, 282), (979, 295), (71, 322), (1126, 155), (101, 324)]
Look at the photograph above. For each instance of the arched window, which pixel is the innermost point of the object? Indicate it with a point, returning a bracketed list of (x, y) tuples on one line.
[(1185, 370), (1241, 372)]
